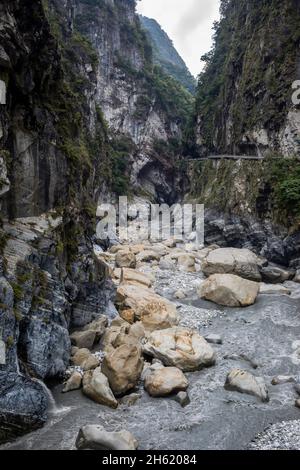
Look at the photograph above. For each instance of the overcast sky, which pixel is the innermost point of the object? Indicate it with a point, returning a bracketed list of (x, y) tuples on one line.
[(188, 23)]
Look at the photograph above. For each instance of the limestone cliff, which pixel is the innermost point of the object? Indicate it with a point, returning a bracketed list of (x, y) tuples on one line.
[(84, 112), (244, 107), (244, 100)]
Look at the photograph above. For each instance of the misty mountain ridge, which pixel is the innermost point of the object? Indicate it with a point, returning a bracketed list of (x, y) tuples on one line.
[(165, 54)]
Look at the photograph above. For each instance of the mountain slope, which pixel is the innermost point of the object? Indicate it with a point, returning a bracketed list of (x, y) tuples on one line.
[(244, 95), (85, 115), (166, 55), (244, 107)]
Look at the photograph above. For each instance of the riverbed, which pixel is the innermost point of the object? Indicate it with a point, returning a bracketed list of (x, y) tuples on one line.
[(262, 339)]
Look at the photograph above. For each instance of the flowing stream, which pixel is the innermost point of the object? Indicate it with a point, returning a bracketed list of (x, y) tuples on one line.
[(263, 339)]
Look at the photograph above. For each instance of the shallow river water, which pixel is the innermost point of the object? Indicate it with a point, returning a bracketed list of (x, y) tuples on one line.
[(263, 339)]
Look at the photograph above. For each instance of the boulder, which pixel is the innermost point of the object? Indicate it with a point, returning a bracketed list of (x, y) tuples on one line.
[(84, 359), (94, 437), (83, 339), (130, 400), (165, 381), (127, 315), (137, 330), (273, 289), (96, 387), (241, 262), (137, 248), (147, 256), (125, 259), (244, 382), (181, 348), (186, 263), (179, 294), (275, 275), (153, 311), (283, 379), (297, 403), (123, 368), (127, 339), (297, 276), (116, 248), (98, 326), (214, 339), (131, 276), (111, 334), (229, 290), (170, 243), (183, 399), (73, 383), (167, 264)]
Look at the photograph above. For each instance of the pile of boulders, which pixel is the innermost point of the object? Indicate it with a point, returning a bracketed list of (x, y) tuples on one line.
[(145, 344)]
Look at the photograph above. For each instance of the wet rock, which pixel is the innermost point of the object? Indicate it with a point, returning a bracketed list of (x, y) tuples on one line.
[(123, 368), (275, 275), (271, 289), (73, 383), (241, 262), (83, 339), (282, 379), (97, 438), (23, 406), (183, 399), (297, 276), (181, 348), (96, 387), (152, 310), (131, 276), (214, 339), (229, 290), (244, 382), (125, 259), (165, 381), (47, 347), (179, 294), (130, 400)]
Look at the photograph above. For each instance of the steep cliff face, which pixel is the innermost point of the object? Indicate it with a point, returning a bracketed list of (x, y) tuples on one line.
[(166, 55), (138, 99), (252, 204), (244, 107), (83, 113), (244, 101)]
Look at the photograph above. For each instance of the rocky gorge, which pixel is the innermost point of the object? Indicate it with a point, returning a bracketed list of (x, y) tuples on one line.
[(97, 338)]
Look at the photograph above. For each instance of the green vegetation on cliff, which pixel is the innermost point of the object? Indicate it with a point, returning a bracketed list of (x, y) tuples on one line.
[(246, 84), (267, 189), (165, 54)]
